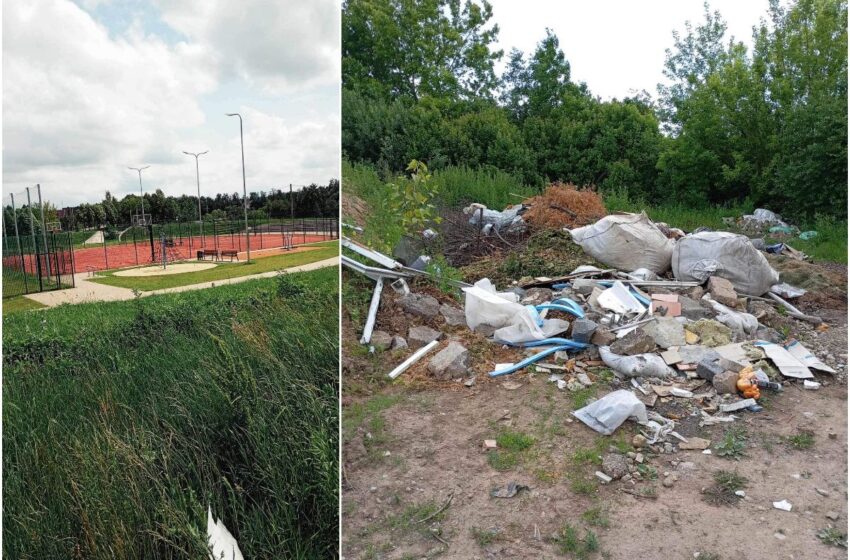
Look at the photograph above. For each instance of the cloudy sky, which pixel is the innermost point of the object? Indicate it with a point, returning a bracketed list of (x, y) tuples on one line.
[(93, 86), (615, 46)]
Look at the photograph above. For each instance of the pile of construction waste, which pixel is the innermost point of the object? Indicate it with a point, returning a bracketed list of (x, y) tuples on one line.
[(673, 316)]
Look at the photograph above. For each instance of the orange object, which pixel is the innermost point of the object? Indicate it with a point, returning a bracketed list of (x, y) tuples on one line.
[(747, 383)]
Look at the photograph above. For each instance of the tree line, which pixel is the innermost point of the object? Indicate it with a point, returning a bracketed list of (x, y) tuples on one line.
[(765, 126), (307, 202)]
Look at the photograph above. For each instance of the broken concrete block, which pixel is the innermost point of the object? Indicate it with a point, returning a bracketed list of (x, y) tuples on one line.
[(398, 343), (421, 305), (380, 340), (584, 379), (666, 332), (417, 337), (603, 477), (583, 286), (722, 290), (451, 361), (694, 310), (726, 383), (671, 357), (454, 316), (583, 330), (708, 368), (737, 405), (615, 465), (602, 337), (490, 444), (695, 443), (636, 342), (537, 296), (710, 332)]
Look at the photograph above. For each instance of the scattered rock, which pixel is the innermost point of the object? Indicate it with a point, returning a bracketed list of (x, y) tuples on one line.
[(636, 342), (822, 492), (710, 332), (638, 457), (584, 379), (695, 293), (832, 515), (603, 477), (638, 441), (722, 290), (602, 337), (693, 310), (583, 330), (725, 383), (421, 305), (381, 340), (454, 316), (451, 361), (690, 337), (420, 336), (666, 332), (695, 443), (615, 465), (398, 343), (668, 481), (469, 382)]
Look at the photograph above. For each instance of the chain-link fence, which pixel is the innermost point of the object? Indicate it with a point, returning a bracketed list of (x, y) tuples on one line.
[(212, 239), (37, 263)]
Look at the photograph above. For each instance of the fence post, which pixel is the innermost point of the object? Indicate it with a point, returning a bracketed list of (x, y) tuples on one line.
[(34, 243)]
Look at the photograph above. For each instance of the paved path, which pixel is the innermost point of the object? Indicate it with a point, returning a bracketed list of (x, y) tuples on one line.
[(88, 291)]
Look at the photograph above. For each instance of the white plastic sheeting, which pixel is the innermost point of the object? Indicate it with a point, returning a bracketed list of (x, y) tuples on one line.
[(727, 255), (735, 320), (221, 541), (514, 322), (640, 365), (606, 414), (626, 242)]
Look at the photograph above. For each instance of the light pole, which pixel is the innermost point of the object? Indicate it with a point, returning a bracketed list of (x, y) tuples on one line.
[(244, 188), (141, 191), (198, 179)]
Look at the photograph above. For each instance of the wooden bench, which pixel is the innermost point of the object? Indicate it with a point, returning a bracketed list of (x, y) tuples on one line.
[(230, 253), (204, 253)]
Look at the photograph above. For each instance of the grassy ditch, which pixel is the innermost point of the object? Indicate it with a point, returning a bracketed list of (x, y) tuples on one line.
[(124, 420)]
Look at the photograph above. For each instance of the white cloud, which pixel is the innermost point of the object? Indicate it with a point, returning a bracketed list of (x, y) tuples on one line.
[(82, 102), (276, 46)]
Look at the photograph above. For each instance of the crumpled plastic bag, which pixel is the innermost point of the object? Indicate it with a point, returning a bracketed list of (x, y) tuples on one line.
[(727, 255), (639, 365), (787, 290), (606, 414), (514, 322), (735, 320), (508, 220), (626, 242)]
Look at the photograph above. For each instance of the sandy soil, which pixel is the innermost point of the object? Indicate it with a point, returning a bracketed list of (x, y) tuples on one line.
[(176, 268), (410, 445)]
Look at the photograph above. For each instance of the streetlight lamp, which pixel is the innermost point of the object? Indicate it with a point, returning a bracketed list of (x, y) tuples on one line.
[(141, 191), (198, 179), (244, 188)]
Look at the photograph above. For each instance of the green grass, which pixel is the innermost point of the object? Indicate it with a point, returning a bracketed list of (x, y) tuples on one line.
[(722, 492), (803, 439), (568, 542), (833, 537), (122, 421), (733, 444), (512, 449), (596, 517), (18, 304), (223, 271)]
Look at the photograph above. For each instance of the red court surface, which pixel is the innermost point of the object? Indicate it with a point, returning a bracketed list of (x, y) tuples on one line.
[(124, 255)]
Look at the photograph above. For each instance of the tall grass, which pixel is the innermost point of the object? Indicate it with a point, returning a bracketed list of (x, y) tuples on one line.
[(123, 420)]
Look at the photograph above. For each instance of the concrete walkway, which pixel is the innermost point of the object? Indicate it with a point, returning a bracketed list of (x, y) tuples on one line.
[(88, 291)]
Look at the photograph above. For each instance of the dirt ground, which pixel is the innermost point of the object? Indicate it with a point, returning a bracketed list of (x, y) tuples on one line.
[(417, 483)]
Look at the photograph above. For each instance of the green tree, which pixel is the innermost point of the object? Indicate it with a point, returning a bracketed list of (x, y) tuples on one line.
[(413, 49)]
